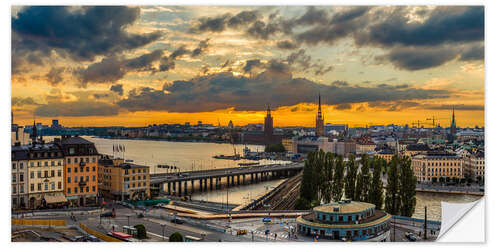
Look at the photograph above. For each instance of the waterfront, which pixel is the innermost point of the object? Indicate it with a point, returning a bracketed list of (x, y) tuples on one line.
[(195, 156)]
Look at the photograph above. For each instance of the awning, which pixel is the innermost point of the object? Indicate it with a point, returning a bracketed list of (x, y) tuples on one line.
[(58, 198)]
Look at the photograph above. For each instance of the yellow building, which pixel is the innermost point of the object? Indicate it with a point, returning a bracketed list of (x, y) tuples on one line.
[(122, 180), (414, 149), (45, 168), (433, 165), (385, 154), (474, 166), (288, 144)]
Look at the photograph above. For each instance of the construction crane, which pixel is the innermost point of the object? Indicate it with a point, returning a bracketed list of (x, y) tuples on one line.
[(417, 122), (434, 119)]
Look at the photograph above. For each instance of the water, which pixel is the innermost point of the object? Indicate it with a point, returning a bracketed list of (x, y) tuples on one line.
[(189, 156)]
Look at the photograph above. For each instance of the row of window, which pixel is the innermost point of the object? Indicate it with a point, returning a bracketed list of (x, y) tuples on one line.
[(21, 189), (85, 160), (75, 190), (341, 218), (348, 233), (87, 178), (45, 154), (127, 186), (21, 165), (46, 186), (45, 163), (14, 177), (125, 179), (138, 171), (442, 164), (46, 174), (87, 169)]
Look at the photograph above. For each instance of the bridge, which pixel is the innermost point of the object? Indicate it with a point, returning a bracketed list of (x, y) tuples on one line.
[(185, 183)]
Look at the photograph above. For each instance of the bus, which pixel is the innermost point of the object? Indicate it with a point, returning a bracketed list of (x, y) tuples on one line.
[(189, 238)]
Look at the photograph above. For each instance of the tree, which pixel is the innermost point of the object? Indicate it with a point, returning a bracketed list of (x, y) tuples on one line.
[(408, 187), (176, 237), (141, 231), (363, 180), (338, 179), (392, 198), (350, 180), (307, 192), (376, 192), (326, 177), (434, 179)]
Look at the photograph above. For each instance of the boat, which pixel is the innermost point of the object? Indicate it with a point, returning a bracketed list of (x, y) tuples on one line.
[(248, 164)]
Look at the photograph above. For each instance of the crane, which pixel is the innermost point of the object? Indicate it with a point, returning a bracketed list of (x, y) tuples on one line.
[(434, 119)]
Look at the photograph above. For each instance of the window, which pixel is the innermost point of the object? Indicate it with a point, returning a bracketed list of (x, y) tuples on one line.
[(93, 169), (81, 169), (39, 163), (69, 190), (14, 189), (21, 189), (39, 186), (81, 189), (87, 178), (76, 160), (52, 163), (87, 169), (87, 189), (46, 174), (46, 163), (21, 177), (93, 177), (69, 179), (76, 170), (53, 185), (32, 187), (14, 178), (87, 160), (93, 159), (13, 166), (69, 170), (59, 185), (93, 188), (52, 173), (71, 151), (69, 162), (46, 186), (21, 165), (58, 163), (76, 179), (76, 190), (32, 164), (81, 178), (59, 173)]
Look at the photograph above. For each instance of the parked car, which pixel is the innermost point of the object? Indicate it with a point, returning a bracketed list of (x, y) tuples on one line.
[(410, 236), (107, 214), (177, 221)]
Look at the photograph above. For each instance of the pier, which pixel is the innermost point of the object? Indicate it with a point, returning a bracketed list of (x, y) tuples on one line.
[(186, 183)]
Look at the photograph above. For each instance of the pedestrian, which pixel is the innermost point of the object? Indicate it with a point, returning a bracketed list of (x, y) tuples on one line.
[(275, 236)]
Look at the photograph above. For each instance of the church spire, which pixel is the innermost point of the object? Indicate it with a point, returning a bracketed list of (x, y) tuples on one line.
[(268, 110)]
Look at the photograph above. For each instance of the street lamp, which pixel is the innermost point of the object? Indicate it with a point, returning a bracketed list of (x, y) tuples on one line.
[(128, 220), (163, 231)]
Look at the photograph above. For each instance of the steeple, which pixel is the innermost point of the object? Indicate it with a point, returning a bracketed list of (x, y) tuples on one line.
[(268, 110), (319, 106), (320, 129), (453, 118), (34, 133)]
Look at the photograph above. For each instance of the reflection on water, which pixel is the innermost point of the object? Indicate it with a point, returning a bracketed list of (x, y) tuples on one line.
[(238, 194), (197, 156), (433, 203)]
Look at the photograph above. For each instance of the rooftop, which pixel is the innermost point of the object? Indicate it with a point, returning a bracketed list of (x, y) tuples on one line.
[(345, 207)]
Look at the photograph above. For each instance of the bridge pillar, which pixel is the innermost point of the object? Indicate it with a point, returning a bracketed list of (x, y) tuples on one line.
[(201, 185), (211, 184), (168, 188), (185, 187), (227, 181), (205, 186), (243, 179), (232, 180), (192, 186), (179, 187), (238, 178)]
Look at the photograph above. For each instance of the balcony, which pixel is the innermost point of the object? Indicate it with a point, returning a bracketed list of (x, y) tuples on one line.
[(82, 183), (82, 164)]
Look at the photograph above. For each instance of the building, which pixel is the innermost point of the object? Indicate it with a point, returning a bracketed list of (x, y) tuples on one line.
[(350, 220), (288, 144), (80, 170), (344, 147), (385, 154), (365, 147), (263, 137), (268, 125), (430, 167), (19, 171), (474, 166), (18, 135), (305, 145), (414, 149), (123, 181), (453, 126), (45, 167), (320, 124)]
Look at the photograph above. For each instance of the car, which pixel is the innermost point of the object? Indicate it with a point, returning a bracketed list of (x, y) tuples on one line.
[(159, 205), (177, 221), (410, 236), (107, 214)]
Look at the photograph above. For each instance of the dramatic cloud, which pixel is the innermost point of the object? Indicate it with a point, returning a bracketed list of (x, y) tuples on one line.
[(417, 58), (20, 101), (76, 108), (221, 91), (339, 83), (286, 44), (82, 33), (54, 76), (445, 25), (201, 47), (118, 88), (456, 107), (473, 53), (107, 70)]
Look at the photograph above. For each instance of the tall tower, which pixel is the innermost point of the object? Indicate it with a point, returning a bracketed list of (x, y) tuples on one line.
[(453, 127), (268, 125), (320, 126), (34, 132)]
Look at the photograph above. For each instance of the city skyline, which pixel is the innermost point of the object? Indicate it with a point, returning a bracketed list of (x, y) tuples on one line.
[(176, 64)]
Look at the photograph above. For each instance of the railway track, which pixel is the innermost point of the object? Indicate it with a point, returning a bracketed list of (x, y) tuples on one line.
[(285, 198)]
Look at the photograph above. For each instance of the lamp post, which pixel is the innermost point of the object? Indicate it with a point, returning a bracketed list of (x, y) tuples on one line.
[(128, 220), (163, 231)]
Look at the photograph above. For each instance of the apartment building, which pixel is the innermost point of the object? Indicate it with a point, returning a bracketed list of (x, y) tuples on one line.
[(430, 167), (122, 180), (19, 171)]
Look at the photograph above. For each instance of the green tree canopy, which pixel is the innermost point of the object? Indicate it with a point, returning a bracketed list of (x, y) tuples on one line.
[(176, 237)]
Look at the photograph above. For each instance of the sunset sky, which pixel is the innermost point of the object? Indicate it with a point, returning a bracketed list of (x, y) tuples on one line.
[(134, 66)]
